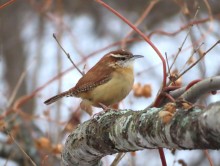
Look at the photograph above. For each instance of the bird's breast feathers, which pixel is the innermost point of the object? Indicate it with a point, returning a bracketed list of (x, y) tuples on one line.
[(115, 90)]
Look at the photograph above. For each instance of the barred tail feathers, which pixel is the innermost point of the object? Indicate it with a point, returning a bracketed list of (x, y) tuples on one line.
[(55, 98)]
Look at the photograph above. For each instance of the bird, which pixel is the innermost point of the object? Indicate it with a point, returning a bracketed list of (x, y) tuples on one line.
[(107, 83)]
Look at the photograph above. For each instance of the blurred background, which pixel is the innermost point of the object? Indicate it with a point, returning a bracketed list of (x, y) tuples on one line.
[(34, 68)]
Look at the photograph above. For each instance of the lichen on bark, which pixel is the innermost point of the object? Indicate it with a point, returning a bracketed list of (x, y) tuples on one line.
[(127, 130)]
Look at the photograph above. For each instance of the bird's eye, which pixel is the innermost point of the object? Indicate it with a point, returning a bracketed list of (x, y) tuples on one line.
[(122, 58)]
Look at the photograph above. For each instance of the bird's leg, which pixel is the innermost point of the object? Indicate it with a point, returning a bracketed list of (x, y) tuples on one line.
[(86, 106), (105, 109)]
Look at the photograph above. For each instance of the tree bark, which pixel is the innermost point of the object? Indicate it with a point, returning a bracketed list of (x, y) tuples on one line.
[(179, 126)]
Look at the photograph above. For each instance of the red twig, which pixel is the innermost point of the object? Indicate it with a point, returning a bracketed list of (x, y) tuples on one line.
[(163, 160), (139, 21), (168, 96), (162, 157), (192, 83), (7, 3), (161, 32), (142, 35), (171, 88), (208, 157)]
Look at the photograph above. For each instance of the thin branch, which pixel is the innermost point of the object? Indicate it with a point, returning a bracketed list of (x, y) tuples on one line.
[(117, 159), (194, 51), (168, 66), (209, 9), (162, 156), (208, 157), (161, 32), (68, 55), (184, 41), (9, 157), (18, 84), (7, 3), (198, 60), (180, 48), (22, 150), (139, 21)]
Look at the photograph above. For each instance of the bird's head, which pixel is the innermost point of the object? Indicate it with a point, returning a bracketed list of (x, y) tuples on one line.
[(120, 58)]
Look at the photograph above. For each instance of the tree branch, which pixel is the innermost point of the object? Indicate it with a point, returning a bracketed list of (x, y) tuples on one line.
[(195, 91), (200, 88), (186, 127)]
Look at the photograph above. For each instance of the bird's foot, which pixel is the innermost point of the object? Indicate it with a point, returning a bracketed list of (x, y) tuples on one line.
[(105, 109)]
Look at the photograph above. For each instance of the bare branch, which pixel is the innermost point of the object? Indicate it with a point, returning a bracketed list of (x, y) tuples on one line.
[(198, 60), (194, 92), (7, 3), (68, 55), (117, 159), (22, 150), (201, 88)]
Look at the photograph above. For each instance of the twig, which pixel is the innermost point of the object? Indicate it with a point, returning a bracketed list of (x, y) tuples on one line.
[(22, 150), (209, 9), (9, 158), (208, 157), (162, 157), (184, 41), (168, 66), (52, 17), (7, 3), (68, 55), (195, 50), (204, 20), (17, 86), (84, 68), (117, 159), (139, 21), (198, 60), (180, 48)]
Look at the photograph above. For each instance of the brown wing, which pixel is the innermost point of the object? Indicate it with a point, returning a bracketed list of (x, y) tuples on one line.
[(97, 75)]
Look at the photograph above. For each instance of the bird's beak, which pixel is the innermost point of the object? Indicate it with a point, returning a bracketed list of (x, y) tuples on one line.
[(137, 56)]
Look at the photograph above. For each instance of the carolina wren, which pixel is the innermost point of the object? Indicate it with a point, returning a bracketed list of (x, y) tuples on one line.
[(106, 83)]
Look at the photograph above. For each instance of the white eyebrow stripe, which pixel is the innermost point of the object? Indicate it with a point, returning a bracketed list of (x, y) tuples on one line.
[(117, 55)]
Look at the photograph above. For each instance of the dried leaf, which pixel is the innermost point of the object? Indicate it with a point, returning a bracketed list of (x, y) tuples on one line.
[(142, 91), (2, 124), (191, 60), (173, 78), (57, 149), (43, 143), (137, 90), (165, 116), (146, 91)]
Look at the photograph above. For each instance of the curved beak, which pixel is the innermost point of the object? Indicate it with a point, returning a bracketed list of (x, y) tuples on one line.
[(137, 56)]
